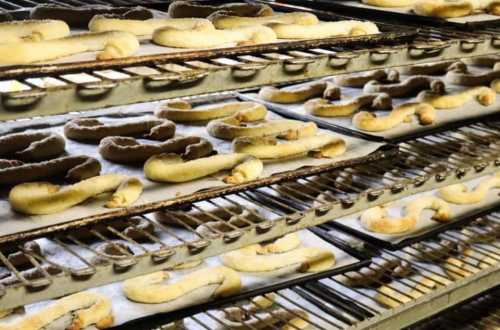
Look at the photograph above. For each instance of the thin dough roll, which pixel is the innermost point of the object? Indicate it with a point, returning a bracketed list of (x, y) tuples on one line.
[(32, 30), (324, 30)]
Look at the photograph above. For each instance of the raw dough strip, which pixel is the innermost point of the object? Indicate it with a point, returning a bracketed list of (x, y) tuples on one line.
[(460, 194), (34, 146), (223, 21), (180, 9), (172, 168), (148, 289), (47, 198), (86, 309), (324, 30), (472, 79), (323, 108), (299, 94), (389, 3), (128, 150), (376, 219), (75, 168), (360, 79), (269, 149), (182, 111), (455, 8), (103, 23), (403, 113), (408, 87), (201, 37), (114, 44), (90, 129), (32, 30), (438, 68), (483, 95)]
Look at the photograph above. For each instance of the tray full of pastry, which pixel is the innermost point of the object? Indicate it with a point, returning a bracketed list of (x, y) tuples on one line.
[(393, 104)]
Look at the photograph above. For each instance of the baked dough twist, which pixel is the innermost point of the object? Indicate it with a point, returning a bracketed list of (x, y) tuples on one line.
[(376, 219), (113, 44), (377, 272), (86, 308), (443, 8), (408, 87), (178, 9), (269, 149), (459, 77), (223, 21), (148, 289), (324, 30), (172, 168), (32, 30), (403, 113), (389, 3), (483, 95), (34, 146), (323, 108), (47, 198), (438, 68), (299, 94), (201, 37), (358, 80), (460, 194)]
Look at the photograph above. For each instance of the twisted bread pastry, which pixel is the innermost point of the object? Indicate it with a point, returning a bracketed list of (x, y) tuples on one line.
[(179, 9), (172, 168), (324, 30), (408, 87), (102, 23), (223, 21), (112, 44), (182, 111), (200, 37), (444, 8), (34, 146), (323, 108), (299, 94), (76, 168), (128, 150), (85, 308), (483, 95), (360, 79), (438, 68), (389, 3), (376, 220), (460, 194), (47, 198), (462, 78), (148, 289), (89, 129), (32, 30), (367, 121)]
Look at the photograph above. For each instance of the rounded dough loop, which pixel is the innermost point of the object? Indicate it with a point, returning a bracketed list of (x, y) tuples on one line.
[(299, 94), (360, 79), (172, 168), (369, 122), (148, 289), (45, 198), (460, 193), (408, 87), (34, 146), (223, 21), (323, 108), (324, 30), (376, 219), (32, 30), (389, 3), (180, 9), (483, 95)]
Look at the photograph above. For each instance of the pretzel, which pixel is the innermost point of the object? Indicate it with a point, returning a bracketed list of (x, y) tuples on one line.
[(483, 95), (32, 30), (323, 108), (377, 272), (458, 77), (128, 150), (324, 30), (407, 87), (360, 79), (103, 23), (33, 146), (299, 94), (182, 111), (460, 194), (75, 168), (85, 309), (389, 3), (172, 168), (444, 8), (223, 21), (376, 219), (148, 289), (81, 16), (201, 37), (179, 9), (112, 45), (437, 68), (46, 198), (268, 149)]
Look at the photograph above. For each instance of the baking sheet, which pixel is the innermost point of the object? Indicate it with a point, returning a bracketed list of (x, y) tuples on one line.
[(425, 224), (11, 222)]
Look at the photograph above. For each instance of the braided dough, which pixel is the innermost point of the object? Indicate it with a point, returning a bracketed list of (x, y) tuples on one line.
[(299, 94), (389, 3), (460, 194), (113, 44), (178, 9), (268, 149), (89, 129), (47, 198), (32, 30), (376, 219), (408, 87), (360, 79), (34, 146), (324, 30), (172, 168), (483, 95), (85, 308), (223, 21), (323, 108), (403, 113), (462, 78), (438, 68), (148, 289)]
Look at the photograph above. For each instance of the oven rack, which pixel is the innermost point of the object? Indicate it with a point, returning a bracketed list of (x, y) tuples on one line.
[(260, 214)]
